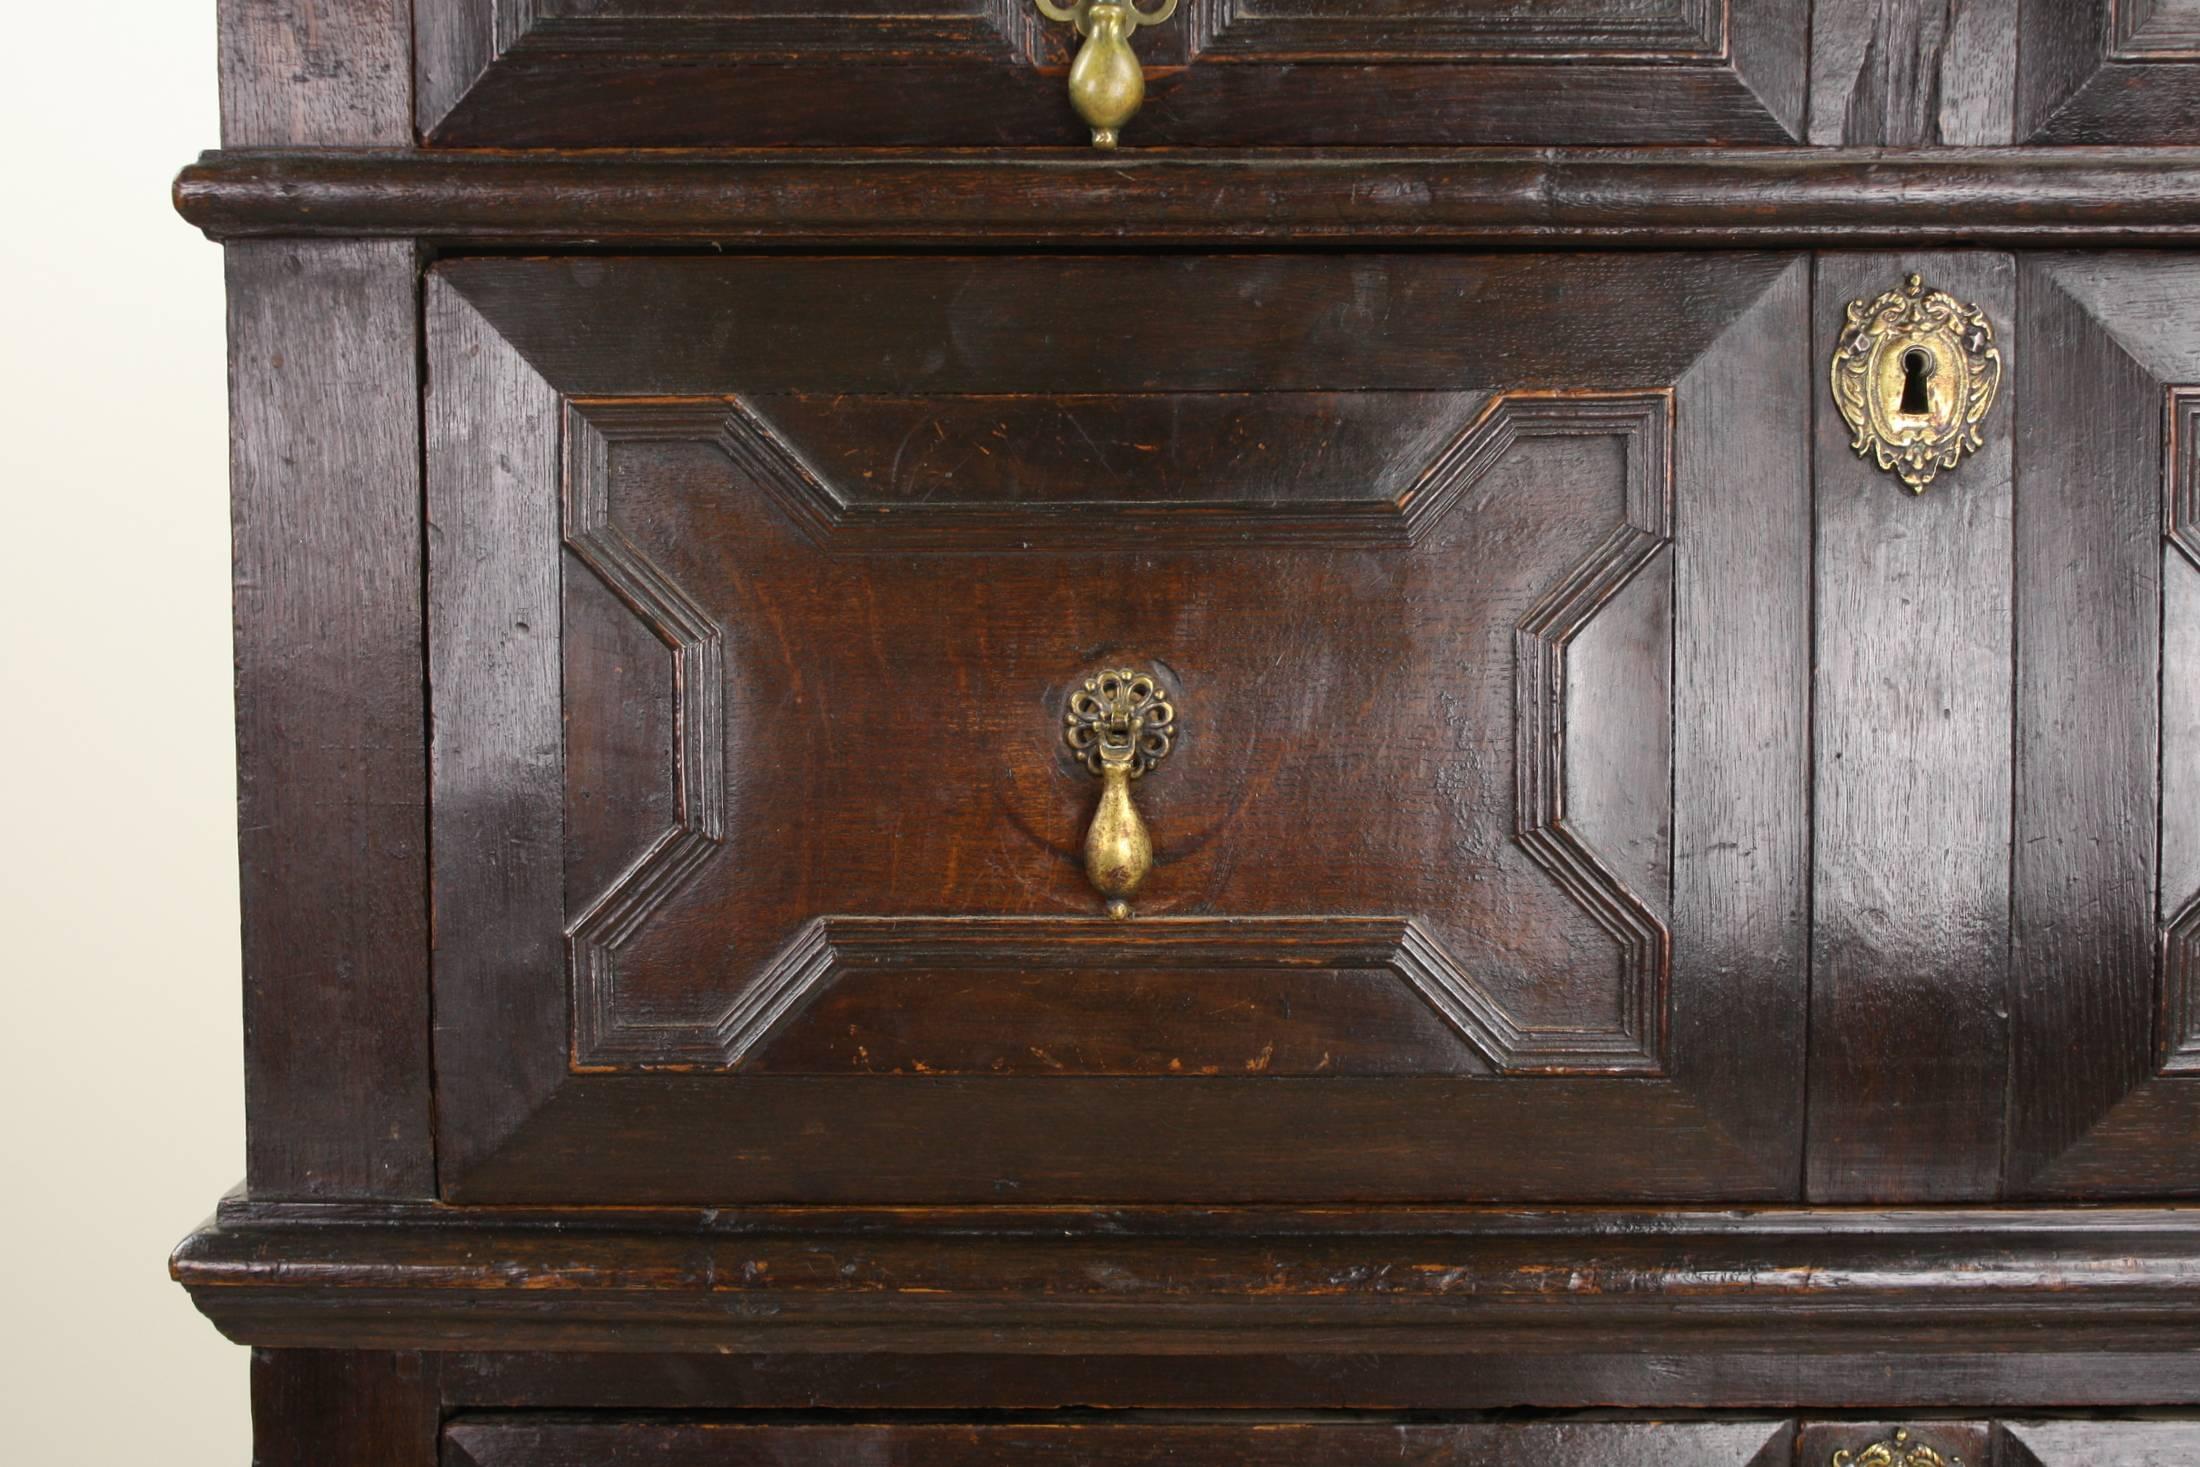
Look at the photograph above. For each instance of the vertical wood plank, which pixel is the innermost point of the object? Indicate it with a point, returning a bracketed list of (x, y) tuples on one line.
[(1909, 1029), (1913, 73), (457, 39), (334, 1408), (1768, 45), (332, 777), (2089, 555), (498, 746), (299, 73), (1741, 720)]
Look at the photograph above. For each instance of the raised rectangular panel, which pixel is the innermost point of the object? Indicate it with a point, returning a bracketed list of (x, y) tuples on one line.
[(751, 641)]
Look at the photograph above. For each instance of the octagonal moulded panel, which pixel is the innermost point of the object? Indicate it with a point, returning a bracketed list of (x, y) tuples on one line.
[(776, 729)]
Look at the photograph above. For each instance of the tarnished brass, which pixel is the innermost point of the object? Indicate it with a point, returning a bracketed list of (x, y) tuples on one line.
[(1120, 724), (1897, 1453), (1106, 85), (1915, 373)]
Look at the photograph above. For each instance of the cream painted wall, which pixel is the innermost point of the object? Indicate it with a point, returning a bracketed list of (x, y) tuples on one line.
[(120, 1096)]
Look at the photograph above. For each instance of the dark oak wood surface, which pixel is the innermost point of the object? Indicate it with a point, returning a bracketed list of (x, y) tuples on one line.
[(844, 785), (1637, 1372), (1684, 197), (567, 73), (1550, 1282), (613, 1442), (2100, 71), (2077, 1443), (663, 651), (345, 1408), (1911, 73), (2103, 1103), (315, 73), (332, 775), (1910, 912)]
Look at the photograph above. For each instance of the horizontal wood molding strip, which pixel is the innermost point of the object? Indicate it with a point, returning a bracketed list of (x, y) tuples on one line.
[(1195, 1281), (1651, 197)]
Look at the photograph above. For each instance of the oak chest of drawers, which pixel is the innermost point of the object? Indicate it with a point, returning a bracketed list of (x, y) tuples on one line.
[(1483, 748)]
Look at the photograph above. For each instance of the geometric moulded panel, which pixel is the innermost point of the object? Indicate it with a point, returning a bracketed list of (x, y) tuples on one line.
[(1004, 976)]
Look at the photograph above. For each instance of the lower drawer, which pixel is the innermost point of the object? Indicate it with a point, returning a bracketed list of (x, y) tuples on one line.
[(520, 1441)]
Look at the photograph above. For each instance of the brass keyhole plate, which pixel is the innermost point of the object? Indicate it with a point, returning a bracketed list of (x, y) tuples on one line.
[(1914, 375)]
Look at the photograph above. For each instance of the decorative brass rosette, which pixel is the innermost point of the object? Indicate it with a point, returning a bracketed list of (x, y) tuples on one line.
[(1120, 716)]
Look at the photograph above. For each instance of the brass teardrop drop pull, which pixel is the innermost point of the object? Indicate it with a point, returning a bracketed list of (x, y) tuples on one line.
[(1120, 724), (1106, 85)]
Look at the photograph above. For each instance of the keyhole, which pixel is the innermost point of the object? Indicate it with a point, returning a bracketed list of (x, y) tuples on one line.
[(1917, 376)]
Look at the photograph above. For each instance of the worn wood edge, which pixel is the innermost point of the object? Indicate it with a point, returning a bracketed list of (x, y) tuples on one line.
[(1648, 197), (1196, 1281)]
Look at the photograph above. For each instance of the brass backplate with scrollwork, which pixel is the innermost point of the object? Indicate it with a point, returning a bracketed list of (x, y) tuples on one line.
[(1900, 1452), (1915, 373), (1120, 724)]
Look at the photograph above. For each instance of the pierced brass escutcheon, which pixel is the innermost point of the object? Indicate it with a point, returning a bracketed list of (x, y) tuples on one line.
[(1106, 85), (1120, 724), (1897, 1453), (1914, 374)]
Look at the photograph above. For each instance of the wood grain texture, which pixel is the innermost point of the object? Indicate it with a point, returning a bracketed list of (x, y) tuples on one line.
[(1910, 949), (490, 1441), (1742, 726), (332, 785), (2178, 1042), (826, 594), (497, 753), (1638, 1373), (1913, 73), (2107, 71), (2092, 1026), (2143, 28), (1225, 73), (342, 1408), (1931, 1283), (1655, 196), (2092, 1443), (1518, 928), (318, 73)]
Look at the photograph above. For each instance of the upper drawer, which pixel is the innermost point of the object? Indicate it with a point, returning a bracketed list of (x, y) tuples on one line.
[(774, 610), (524, 1441), (1239, 73), (595, 73)]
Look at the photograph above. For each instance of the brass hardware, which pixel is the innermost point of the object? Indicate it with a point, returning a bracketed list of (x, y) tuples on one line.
[(1106, 85), (1896, 1453), (1120, 724), (1914, 374)]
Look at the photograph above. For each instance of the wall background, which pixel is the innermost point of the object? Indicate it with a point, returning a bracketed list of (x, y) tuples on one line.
[(121, 1109)]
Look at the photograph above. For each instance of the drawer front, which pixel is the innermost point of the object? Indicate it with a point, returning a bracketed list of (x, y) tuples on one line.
[(761, 593), (612, 1443), (596, 73), (1238, 73), (517, 1441)]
